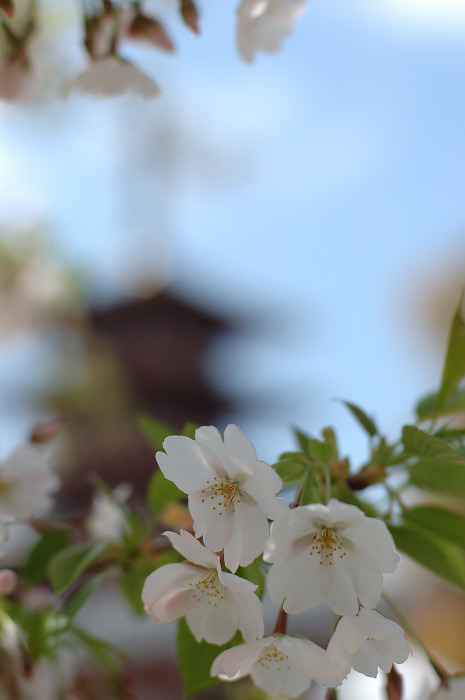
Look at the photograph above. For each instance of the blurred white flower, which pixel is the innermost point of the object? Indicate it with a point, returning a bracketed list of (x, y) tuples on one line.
[(110, 76), (231, 493), (365, 642), (107, 520), (215, 602), (455, 689), (27, 484), (331, 553), (278, 664), (263, 24)]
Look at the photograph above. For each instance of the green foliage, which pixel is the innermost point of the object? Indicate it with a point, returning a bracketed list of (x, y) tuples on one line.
[(363, 419), (131, 581), (421, 444), (161, 491), (429, 406), (291, 466), (454, 364), (254, 572), (438, 477), (106, 654), (155, 431), (444, 523), (68, 564), (321, 451), (195, 659), (443, 558), (38, 559), (74, 604)]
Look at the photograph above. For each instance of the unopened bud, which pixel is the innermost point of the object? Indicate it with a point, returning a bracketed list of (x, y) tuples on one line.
[(8, 581), (148, 29), (8, 7), (190, 15)]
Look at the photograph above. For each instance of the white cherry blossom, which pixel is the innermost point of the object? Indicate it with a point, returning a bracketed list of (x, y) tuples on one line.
[(365, 642), (214, 602), (263, 24), (107, 520), (27, 484), (331, 553), (277, 663), (109, 76), (231, 494)]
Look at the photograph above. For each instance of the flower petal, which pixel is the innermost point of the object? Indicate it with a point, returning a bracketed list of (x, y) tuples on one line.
[(214, 622), (237, 662), (166, 593), (213, 525), (184, 463), (192, 549), (248, 534)]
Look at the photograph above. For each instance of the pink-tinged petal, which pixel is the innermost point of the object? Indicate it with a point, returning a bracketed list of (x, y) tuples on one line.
[(236, 583), (192, 549), (216, 622), (184, 463), (213, 525), (237, 662), (248, 535), (308, 657), (166, 592), (250, 616)]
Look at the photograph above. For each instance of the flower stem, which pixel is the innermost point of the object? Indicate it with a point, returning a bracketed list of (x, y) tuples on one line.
[(441, 672), (298, 496)]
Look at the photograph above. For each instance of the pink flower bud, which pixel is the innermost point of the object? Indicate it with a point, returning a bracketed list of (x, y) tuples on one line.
[(7, 581)]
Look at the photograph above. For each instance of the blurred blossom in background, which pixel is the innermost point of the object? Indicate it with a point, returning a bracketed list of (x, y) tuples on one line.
[(309, 209)]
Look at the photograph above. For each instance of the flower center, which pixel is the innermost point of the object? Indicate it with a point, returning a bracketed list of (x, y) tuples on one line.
[(220, 493), (208, 587), (272, 658), (326, 544)]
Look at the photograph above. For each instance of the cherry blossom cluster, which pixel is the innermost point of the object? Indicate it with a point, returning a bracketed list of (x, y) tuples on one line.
[(317, 553), (108, 25)]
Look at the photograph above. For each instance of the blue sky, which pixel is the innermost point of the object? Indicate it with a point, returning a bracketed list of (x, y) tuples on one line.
[(320, 188)]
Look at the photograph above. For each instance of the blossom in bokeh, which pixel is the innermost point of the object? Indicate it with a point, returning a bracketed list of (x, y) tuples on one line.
[(110, 76), (277, 663), (331, 553), (214, 602), (231, 493), (365, 642), (27, 484), (107, 520), (263, 24)]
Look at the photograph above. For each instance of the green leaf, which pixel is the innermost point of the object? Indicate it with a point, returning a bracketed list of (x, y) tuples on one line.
[(291, 466), (321, 451), (70, 563), (195, 659), (424, 445), (454, 364), (161, 491), (132, 580), (155, 431), (303, 439), (36, 565), (254, 572), (444, 523), (105, 653), (365, 421), (436, 554), (189, 429), (438, 477), (429, 406), (74, 604)]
